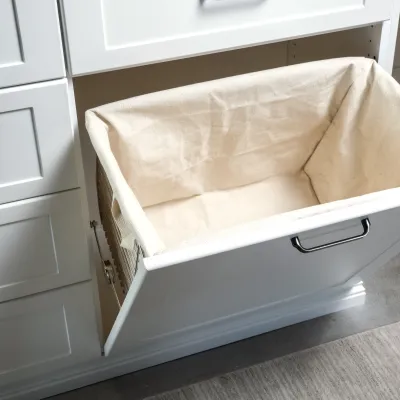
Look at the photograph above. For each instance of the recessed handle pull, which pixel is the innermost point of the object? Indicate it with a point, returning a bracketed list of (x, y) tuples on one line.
[(366, 228)]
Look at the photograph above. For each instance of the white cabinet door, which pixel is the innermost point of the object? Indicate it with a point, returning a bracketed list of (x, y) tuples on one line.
[(30, 42), (175, 302), (109, 34), (42, 245), (42, 333), (37, 143)]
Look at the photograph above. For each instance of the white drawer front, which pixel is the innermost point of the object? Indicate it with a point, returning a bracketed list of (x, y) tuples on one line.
[(30, 45), (37, 146), (42, 245), (164, 300), (108, 34), (41, 333)]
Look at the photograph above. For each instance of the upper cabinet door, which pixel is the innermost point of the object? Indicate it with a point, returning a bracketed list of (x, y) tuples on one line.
[(110, 34), (30, 42)]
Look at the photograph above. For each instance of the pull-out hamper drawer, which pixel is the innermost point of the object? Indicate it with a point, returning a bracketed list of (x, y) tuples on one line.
[(172, 300), (246, 196), (42, 244)]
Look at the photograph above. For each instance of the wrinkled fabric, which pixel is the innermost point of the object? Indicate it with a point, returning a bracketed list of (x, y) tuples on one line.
[(219, 210), (210, 156)]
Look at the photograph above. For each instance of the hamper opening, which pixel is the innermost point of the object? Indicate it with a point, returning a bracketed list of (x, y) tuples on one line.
[(208, 157), (181, 221)]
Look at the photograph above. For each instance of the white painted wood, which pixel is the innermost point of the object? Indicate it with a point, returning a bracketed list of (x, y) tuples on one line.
[(43, 333), (397, 51), (206, 289), (10, 49), (37, 143), (227, 330), (388, 44), (30, 45), (109, 34), (42, 245)]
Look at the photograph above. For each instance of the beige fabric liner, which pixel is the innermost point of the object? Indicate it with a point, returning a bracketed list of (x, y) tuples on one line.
[(208, 157), (220, 210)]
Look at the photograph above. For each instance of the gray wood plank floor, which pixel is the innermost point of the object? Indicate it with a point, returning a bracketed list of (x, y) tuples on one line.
[(362, 366)]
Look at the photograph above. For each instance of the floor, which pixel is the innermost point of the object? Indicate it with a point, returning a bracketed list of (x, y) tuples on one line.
[(382, 307)]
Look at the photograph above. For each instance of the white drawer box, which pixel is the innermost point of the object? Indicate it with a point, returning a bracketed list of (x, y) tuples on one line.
[(30, 45), (187, 294), (41, 333), (42, 245), (110, 34), (37, 146)]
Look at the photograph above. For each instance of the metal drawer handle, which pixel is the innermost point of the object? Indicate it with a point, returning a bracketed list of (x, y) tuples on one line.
[(365, 224), (230, 2)]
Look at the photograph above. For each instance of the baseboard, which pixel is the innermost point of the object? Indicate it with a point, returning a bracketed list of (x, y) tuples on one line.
[(196, 339)]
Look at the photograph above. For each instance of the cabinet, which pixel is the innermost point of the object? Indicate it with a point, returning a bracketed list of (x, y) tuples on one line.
[(30, 45), (47, 304), (176, 304)]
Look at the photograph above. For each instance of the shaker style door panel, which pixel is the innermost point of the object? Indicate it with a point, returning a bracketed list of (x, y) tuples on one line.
[(42, 245), (37, 143), (42, 333), (30, 42), (110, 34)]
